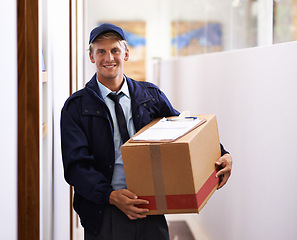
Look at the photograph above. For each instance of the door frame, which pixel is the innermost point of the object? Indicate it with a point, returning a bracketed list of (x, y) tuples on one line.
[(28, 119)]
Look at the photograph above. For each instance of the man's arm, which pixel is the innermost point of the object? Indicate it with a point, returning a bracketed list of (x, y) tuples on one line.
[(77, 159)]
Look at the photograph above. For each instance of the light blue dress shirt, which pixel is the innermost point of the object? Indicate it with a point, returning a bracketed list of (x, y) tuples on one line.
[(118, 179)]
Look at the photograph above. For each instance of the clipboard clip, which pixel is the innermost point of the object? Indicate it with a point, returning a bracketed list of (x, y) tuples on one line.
[(181, 119)]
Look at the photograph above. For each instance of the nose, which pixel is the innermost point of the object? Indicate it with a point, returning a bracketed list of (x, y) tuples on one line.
[(109, 56)]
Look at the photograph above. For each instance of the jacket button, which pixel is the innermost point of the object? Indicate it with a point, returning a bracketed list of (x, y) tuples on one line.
[(97, 111), (138, 116), (100, 212), (144, 104), (110, 166), (86, 110)]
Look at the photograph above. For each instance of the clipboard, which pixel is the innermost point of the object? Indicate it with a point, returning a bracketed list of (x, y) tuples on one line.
[(167, 130)]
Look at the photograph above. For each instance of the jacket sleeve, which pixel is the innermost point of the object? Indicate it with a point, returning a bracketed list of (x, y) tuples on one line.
[(78, 162), (223, 151)]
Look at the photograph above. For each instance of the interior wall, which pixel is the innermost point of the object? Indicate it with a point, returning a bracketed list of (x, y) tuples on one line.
[(58, 70), (8, 127), (253, 94)]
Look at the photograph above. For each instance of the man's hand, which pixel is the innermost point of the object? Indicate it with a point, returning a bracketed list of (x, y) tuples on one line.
[(125, 200), (224, 165)]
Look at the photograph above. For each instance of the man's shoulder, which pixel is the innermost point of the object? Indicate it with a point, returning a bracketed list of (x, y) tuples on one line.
[(76, 94), (143, 84), (75, 97)]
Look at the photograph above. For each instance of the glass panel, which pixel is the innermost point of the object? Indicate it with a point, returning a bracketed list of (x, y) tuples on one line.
[(192, 32), (209, 26), (174, 28), (285, 21), (244, 25)]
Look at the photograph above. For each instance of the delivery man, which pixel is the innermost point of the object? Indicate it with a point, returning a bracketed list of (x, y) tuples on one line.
[(95, 122)]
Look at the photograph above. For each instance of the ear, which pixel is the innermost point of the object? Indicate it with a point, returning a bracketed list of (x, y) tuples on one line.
[(127, 55), (91, 57)]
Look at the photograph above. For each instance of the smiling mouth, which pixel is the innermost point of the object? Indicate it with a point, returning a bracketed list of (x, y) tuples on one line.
[(109, 66)]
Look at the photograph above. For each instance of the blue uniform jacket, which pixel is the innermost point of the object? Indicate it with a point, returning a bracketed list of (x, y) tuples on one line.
[(88, 146)]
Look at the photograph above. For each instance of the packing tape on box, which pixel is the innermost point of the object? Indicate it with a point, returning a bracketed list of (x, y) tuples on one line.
[(192, 202), (157, 171)]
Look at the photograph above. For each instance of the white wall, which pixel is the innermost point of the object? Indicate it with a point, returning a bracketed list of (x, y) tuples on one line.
[(253, 94), (8, 126), (58, 70)]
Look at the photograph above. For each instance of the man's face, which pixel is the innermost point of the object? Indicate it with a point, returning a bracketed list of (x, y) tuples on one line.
[(109, 56)]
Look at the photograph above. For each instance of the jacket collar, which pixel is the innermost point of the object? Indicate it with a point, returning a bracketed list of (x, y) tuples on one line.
[(92, 84), (138, 93)]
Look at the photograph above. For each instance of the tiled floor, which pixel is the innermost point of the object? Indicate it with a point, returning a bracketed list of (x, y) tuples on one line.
[(185, 227), (179, 230)]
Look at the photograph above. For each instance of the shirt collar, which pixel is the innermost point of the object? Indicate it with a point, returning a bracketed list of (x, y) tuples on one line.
[(105, 91)]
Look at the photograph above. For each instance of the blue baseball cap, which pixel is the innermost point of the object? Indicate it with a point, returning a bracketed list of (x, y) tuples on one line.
[(104, 28)]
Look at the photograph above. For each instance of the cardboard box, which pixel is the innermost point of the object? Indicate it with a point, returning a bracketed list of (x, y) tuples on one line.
[(178, 176)]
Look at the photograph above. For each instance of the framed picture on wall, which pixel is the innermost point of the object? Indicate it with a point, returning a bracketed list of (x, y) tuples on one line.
[(195, 37)]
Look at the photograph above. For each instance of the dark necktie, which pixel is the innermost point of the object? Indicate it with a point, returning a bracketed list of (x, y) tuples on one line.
[(120, 116)]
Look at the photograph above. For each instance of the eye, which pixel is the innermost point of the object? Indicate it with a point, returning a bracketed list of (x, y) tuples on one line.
[(115, 50), (100, 51)]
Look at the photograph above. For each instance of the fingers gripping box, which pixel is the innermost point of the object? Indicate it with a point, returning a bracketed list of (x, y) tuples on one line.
[(176, 176)]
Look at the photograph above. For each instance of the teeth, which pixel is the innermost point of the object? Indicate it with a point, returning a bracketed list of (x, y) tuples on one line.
[(109, 66)]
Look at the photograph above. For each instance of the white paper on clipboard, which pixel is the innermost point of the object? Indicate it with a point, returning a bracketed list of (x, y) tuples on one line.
[(168, 130)]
